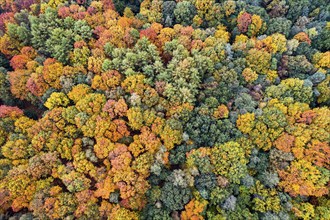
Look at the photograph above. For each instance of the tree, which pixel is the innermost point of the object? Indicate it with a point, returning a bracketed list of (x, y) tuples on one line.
[(41, 27), (259, 60), (168, 13), (57, 99), (279, 25), (107, 80), (92, 103), (243, 21), (302, 178), (135, 118), (291, 87), (18, 80), (184, 12), (9, 111), (52, 71), (174, 197), (222, 157), (322, 42), (78, 92), (193, 210), (152, 10)]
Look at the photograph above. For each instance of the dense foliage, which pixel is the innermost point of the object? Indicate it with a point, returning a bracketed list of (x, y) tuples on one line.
[(157, 109)]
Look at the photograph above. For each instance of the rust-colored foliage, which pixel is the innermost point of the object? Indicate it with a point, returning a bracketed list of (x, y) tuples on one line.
[(285, 142), (302, 178), (52, 71), (18, 80), (193, 210), (9, 111), (107, 80), (243, 22), (302, 37)]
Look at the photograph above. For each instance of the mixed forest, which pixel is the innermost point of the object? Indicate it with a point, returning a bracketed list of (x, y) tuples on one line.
[(160, 110)]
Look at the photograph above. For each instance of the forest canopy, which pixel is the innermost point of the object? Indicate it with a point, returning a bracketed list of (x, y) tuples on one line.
[(159, 110)]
